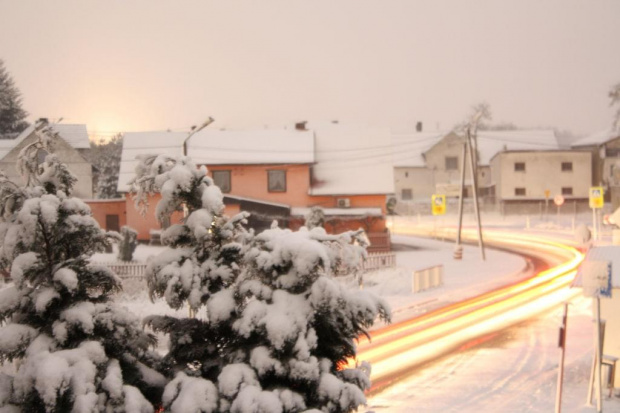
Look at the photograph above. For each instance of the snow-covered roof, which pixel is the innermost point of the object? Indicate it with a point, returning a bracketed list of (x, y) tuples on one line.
[(266, 146), (146, 143), (609, 253), (352, 160), (259, 201), (492, 142), (347, 160), (408, 148), (74, 134), (597, 138), (219, 147), (375, 212)]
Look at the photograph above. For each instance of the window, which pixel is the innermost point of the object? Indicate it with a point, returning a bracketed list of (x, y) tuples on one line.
[(567, 167), (452, 163), (406, 195), (406, 174), (568, 190), (520, 167), (520, 191), (276, 180), (222, 180)]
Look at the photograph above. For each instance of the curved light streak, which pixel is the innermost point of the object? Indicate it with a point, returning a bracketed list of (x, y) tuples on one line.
[(395, 349)]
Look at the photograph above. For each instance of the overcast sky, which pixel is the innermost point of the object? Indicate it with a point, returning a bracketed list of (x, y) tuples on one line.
[(152, 65)]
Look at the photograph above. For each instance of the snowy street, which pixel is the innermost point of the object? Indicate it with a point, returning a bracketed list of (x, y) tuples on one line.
[(514, 370)]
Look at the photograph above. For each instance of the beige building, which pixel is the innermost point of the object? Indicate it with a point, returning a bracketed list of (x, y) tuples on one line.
[(430, 163), (529, 180), (73, 149)]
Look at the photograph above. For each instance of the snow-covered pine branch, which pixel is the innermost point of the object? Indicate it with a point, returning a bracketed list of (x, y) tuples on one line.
[(79, 351)]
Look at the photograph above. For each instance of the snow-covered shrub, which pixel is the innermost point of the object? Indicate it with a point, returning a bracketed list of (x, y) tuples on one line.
[(278, 330), (78, 351), (128, 243), (315, 217)]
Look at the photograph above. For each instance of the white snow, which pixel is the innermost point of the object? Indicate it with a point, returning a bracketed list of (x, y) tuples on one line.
[(66, 277)]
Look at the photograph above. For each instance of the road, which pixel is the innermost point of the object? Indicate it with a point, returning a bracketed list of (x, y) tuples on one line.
[(395, 350), (511, 371)]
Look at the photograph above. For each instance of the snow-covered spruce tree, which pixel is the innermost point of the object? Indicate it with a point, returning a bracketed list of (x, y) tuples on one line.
[(315, 217), (77, 350), (199, 267), (296, 325), (278, 331)]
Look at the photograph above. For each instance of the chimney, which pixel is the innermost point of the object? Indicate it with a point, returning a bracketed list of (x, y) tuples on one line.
[(301, 125), (418, 127)]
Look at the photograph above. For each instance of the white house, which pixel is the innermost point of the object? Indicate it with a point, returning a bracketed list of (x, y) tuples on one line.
[(73, 149)]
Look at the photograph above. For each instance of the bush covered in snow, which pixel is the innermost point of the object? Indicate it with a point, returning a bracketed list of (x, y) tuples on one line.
[(127, 244), (77, 350), (278, 329)]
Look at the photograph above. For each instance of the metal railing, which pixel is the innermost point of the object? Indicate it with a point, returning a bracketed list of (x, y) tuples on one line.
[(427, 278)]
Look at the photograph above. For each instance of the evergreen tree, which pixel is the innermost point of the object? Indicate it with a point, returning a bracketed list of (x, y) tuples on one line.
[(278, 329), (106, 159), (12, 116), (78, 351)]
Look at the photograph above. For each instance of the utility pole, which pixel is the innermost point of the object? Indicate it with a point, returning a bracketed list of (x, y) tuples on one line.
[(474, 180), (458, 249)]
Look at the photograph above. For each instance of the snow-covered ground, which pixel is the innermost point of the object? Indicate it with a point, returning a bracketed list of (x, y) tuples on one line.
[(514, 371)]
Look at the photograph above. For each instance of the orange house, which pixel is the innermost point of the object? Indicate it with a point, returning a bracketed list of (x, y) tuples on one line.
[(280, 174)]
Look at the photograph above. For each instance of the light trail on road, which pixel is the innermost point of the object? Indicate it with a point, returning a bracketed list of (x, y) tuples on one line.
[(396, 349)]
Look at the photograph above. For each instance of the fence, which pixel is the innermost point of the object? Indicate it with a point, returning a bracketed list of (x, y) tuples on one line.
[(125, 269), (427, 278), (379, 260)]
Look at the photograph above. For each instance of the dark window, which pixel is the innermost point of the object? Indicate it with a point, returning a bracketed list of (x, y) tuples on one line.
[(520, 167), (452, 163), (520, 191), (276, 180), (222, 179), (567, 190), (567, 166), (406, 174), (406, 194)]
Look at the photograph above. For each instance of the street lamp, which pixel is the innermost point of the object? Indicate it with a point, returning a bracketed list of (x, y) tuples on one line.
[(195, 130)]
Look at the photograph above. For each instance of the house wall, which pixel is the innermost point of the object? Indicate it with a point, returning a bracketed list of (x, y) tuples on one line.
[(76, 163), (143, 224), (420, 180), (450, 146), (542, 172), (102, 208), (250, 181)]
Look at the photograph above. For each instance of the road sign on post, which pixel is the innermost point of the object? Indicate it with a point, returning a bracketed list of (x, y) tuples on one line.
[(596, 277), (596, 197), (438, 204)]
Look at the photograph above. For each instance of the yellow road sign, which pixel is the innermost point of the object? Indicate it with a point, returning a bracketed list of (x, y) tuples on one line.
[(438, 204), (596, 197)]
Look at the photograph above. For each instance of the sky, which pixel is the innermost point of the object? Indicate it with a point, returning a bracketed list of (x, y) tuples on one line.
[(156, 65)]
